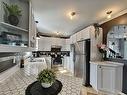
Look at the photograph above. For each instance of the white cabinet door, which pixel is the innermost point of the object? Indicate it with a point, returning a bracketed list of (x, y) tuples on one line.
[(78, 36), (73, 39), (44, 44), (85, 33), (68, 45), (93, 75), (106, 77), (65, 45)]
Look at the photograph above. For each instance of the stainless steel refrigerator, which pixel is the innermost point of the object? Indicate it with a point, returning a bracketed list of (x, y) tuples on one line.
[(81, 58)]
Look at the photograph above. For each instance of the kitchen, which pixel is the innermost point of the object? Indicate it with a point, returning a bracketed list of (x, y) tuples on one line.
[(91, 51)]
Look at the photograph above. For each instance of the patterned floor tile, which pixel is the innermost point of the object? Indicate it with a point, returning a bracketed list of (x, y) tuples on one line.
[(18, 82)]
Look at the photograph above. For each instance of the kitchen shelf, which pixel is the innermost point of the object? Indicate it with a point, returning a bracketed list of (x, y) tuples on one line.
[(9, 48), (9, 26)]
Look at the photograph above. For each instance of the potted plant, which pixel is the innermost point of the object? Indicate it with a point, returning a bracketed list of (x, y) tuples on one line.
[(46, 77), (13, 13)]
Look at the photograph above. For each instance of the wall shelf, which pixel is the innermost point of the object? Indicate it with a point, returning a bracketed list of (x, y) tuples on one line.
[(9, 48), (9, 26)]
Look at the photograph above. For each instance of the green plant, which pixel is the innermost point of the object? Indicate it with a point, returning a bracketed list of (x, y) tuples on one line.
[(12, 9), (46, 76)]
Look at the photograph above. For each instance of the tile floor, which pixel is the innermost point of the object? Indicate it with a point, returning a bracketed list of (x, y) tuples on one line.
[(18, 82)]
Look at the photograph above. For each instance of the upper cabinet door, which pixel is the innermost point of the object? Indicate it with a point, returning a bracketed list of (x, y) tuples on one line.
[(73, 39), (79, 36), (85, 33)]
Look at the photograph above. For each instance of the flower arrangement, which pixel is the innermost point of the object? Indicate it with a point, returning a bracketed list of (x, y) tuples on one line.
[(102, 48)]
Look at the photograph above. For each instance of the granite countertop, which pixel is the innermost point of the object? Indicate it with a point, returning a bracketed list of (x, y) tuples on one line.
[(107, 63)]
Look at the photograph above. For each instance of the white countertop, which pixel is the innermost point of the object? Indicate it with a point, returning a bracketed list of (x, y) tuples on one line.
[(107, 63)]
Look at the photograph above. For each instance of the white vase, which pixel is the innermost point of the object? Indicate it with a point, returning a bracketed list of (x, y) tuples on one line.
[(46, 85)]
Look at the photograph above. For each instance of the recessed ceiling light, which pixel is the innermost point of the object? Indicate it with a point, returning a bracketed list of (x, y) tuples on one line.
[(109, 14)]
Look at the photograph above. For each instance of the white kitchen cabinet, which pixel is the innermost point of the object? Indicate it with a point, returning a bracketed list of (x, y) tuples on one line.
[(67, 45), (73, 39), (81, 35), (45, 43), (78, 36), (85, 33), (106, 76)]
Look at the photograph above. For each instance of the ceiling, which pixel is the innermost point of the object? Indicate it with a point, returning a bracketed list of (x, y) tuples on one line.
[(53, 18)]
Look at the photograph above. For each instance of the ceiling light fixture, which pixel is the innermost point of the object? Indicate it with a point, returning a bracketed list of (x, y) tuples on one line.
[(109, 14), (72, 14), (57, 33)]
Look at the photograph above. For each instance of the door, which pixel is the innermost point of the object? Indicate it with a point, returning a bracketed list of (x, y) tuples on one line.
[(106, 77)]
